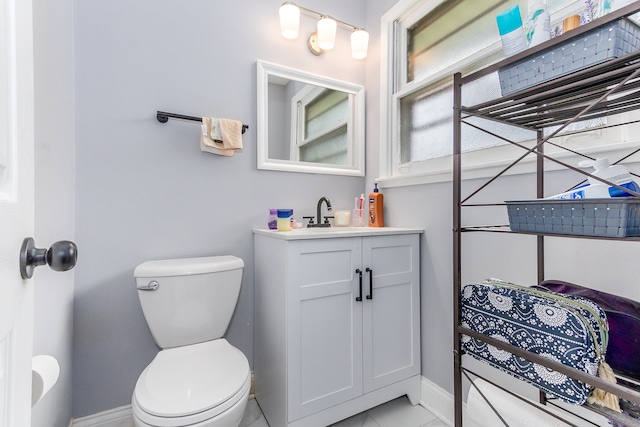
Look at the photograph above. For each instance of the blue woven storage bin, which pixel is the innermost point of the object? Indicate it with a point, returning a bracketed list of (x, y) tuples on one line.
[(606, 42), (615, 217)]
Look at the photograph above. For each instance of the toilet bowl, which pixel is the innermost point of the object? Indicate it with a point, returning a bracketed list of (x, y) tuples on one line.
[(198, 379), (203, 384)]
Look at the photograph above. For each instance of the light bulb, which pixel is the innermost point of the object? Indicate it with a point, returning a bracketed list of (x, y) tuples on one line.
[(326, 33), (289, 20), (359, 43)]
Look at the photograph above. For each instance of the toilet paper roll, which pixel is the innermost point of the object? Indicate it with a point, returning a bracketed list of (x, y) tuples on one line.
[(44, 374), (515, 412)]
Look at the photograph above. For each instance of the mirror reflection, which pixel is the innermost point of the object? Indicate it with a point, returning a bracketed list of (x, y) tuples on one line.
[(308, 123)]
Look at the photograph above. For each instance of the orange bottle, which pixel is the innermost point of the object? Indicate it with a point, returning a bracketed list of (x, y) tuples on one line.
[(376, 209)]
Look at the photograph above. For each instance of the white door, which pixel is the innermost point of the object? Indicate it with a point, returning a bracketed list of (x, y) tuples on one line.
[(16, 209)]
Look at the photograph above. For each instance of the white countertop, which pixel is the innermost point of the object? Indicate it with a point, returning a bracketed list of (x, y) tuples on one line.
[(333, 232)]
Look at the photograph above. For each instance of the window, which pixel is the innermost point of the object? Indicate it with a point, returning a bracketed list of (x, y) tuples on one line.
[(322, 117), (427, 42)]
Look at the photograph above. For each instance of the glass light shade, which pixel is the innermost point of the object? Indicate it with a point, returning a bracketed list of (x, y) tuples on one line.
[(359, 43), (289, 20), (326, 33)]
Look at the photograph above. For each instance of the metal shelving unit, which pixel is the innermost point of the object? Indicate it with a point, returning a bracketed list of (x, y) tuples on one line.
[(582, 95)]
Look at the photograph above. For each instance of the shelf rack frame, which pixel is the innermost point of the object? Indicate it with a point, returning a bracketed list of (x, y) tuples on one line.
[(578, 96)]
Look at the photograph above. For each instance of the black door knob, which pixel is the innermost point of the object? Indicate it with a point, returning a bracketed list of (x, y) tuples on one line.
[(61, 256)]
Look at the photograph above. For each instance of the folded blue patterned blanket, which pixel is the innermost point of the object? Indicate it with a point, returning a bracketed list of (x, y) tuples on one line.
[(568, 329)]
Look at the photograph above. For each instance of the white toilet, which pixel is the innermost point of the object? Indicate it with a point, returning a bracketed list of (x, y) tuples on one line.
[(198, 379)]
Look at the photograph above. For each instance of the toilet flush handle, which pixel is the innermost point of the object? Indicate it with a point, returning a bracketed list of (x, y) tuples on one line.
[(151, 286)]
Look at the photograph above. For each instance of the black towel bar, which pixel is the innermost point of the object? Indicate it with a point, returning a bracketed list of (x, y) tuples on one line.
[(163, 117)]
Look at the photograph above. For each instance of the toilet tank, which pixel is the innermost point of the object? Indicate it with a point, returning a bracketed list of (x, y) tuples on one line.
[(194, 300)]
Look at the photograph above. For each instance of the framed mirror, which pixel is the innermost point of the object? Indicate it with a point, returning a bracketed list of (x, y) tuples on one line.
[(309, 123)]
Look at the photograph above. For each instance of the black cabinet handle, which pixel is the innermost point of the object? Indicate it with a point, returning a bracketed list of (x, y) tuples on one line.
[(370, 271), (359, 298)]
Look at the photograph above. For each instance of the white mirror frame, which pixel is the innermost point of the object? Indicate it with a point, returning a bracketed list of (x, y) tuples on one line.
[(266, 69)]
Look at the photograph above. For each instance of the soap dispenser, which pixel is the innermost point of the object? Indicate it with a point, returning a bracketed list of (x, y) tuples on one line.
[(376, 209)]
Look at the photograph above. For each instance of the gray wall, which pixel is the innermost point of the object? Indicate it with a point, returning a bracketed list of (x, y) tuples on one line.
[(54, 198), (144, 190)]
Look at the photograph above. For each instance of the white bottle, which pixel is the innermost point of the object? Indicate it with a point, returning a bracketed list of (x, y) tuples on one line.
[(537, 28), (608, 6), (511, 31), (615, 174), (586, 191)]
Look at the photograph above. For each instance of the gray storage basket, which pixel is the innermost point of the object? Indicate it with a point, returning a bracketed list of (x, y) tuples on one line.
[(606, 42), (615, 217)]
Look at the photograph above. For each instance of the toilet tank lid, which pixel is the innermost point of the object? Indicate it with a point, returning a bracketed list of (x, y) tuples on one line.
[(187, 266)]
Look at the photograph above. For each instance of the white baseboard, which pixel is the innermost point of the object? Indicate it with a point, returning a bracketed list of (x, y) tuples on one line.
[(440, 403), (117, 417)]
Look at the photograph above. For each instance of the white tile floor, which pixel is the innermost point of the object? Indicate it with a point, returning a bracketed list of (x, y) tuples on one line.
[(397, 413)]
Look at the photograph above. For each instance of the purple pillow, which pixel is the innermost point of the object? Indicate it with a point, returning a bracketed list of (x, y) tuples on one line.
[(623, 315)]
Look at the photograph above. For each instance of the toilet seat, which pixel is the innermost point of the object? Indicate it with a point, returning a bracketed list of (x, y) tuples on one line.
[(191, 384)]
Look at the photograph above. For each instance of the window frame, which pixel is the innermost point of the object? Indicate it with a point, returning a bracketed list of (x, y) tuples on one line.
[(393, 87), (299, 103)]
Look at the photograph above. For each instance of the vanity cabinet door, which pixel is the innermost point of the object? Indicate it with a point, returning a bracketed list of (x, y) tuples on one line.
[(324, 324), (391, 317)]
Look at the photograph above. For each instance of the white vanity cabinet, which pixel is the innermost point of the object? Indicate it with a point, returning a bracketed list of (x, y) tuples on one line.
[(337, 318)]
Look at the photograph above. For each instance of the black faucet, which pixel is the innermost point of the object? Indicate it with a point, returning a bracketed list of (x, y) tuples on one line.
[(319, 213)]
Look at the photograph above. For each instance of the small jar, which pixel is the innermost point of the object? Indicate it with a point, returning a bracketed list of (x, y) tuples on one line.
[(284, 219), (273, 219), (342, 218)]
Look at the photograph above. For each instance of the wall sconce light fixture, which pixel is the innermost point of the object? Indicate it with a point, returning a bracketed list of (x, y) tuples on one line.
[(325, 36)]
